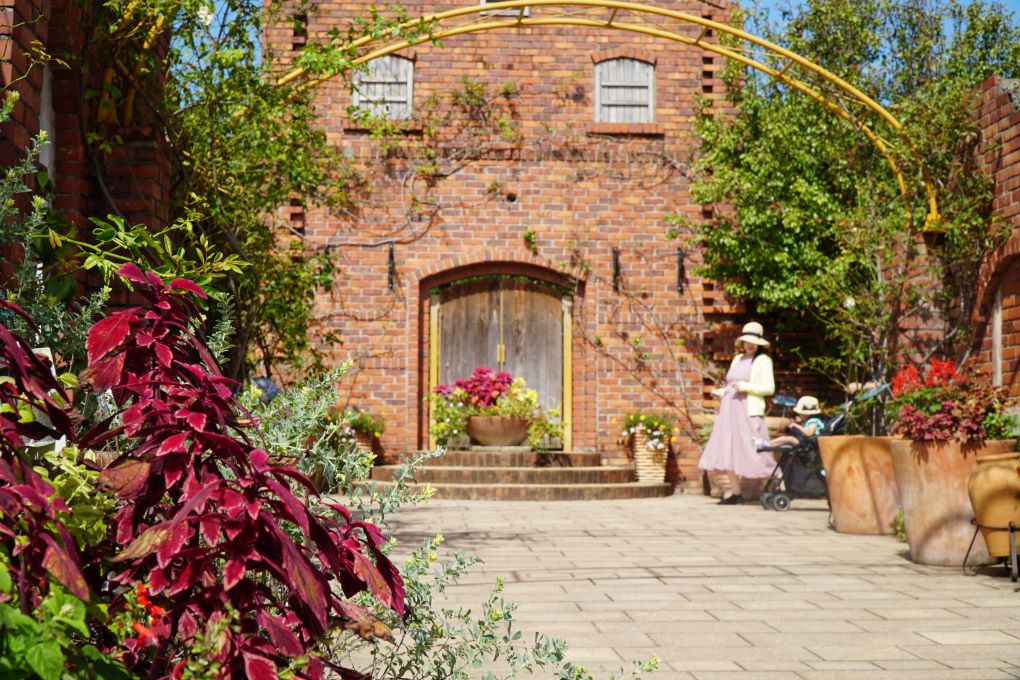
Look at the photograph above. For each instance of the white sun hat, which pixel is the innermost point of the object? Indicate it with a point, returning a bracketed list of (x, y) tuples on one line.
[(753, 333), (807, 406)]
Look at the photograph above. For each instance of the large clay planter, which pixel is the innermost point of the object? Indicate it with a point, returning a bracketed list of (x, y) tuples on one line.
[(497, 430), (932, 483), (994, 489), (650, 464), (862, 487)]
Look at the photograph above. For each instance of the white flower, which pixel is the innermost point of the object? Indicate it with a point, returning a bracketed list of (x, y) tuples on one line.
[(849, 302), (206, 15)]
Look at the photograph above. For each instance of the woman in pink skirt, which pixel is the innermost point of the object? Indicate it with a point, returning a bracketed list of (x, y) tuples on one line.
[(740, 426)]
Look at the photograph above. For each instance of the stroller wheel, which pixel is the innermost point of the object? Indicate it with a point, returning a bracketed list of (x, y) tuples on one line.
[(766, 500), (781, 502)]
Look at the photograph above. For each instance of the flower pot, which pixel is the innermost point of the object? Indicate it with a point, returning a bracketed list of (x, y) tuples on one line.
[(365, 441), (931, 478), (649, 463), (862, 486), (994, 488), (497, 430)]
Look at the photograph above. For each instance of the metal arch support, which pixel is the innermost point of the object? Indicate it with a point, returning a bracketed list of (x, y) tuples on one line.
[(813, 80)]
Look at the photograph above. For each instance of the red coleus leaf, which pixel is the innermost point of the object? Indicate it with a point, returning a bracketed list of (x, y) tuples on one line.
[(308, 585), (64, 568), (174, 444), (210, 529), (163, 354), (233, 572), (192, 418), (169, 548), (188, 285), (128, 478), (144, 544), (103, 375), (368, 573), (108, 333), (187, 626), (258, 667), (282, 636), (132, 272)]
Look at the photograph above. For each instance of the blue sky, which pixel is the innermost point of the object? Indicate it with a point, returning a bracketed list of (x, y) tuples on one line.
[(1013, 5)]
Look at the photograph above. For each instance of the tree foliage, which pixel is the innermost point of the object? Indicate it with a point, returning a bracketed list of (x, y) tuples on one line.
[(818, 230)]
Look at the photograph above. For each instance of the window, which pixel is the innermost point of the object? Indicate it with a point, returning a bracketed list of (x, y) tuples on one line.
[(515, 11), (386, 89), (624, 91)]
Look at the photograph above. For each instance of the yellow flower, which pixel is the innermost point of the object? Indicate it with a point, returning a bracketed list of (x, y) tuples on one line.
[(672, 440), (377, 434)]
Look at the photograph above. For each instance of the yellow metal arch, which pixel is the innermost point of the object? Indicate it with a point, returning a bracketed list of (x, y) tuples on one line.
[(826, 88)]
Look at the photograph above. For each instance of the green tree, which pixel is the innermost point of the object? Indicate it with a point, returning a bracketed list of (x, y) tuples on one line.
[(818, 232)]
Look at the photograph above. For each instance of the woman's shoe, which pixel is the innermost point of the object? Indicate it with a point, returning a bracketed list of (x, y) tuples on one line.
[(735, 499)]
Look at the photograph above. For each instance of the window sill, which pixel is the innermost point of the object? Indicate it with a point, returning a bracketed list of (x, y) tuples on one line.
[(633, 129), (406, 127)]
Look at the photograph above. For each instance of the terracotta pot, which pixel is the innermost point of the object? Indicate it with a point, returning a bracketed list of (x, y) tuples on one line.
[(862, 487), (365, 440), (497, 430), (994, 488), (932, 483), (650, 464)]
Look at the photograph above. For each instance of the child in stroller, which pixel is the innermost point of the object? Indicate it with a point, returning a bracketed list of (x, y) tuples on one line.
[(798, 472)]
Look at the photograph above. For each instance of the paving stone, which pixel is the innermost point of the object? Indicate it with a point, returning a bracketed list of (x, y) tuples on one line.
[(739, 594), (970, 637)]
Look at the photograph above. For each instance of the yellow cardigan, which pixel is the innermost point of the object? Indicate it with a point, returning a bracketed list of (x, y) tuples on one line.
[(762, 384)]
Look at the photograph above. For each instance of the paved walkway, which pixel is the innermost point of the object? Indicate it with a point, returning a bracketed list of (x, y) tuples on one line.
[(728, 593)]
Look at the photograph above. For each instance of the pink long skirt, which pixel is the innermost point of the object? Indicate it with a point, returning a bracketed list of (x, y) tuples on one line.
[(736, 436)]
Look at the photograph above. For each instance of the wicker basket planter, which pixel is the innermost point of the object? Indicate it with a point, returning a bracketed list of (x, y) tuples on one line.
[(650, 464)]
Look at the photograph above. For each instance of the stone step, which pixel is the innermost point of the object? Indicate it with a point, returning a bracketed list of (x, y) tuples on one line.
[(448, 474), (520, 457), (547, 492)]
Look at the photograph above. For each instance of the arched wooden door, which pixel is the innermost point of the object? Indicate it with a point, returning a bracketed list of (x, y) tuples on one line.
[(506, 323)]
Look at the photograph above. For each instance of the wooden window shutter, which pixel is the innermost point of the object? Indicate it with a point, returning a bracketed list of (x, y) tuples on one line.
[(624, 91), (386, 89)]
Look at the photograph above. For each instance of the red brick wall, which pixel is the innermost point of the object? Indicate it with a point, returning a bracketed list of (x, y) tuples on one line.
[(998, 115), (583, 189), (137, 170)]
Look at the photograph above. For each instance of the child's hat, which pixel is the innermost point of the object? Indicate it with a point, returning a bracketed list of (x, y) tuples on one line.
[(807, 406)]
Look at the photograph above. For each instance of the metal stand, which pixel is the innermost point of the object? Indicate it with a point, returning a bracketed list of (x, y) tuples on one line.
[(1013, 567)]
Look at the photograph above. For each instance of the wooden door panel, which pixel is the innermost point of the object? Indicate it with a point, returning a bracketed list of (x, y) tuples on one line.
[(533, 336), (469, 329)]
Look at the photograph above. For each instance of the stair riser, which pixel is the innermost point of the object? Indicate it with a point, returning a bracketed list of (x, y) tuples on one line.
[(515, 459), (581, 492), (441, 475)]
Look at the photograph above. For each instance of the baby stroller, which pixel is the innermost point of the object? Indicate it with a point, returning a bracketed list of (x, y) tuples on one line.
[(799, 472)]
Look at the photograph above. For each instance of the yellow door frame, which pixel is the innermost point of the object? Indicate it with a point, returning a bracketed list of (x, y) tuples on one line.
[(803, 75), (567, 406)]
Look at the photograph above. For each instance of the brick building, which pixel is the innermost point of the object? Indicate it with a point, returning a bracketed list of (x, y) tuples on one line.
[(998, 313), (563, 177), (48, 58)]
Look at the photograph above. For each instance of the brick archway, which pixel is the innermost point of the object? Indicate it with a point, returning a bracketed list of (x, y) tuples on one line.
[(486, 264)]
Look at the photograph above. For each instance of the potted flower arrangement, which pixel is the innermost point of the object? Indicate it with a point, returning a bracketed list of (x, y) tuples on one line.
[(494, 409), (649, 435), (361, 428), (946, 419)]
